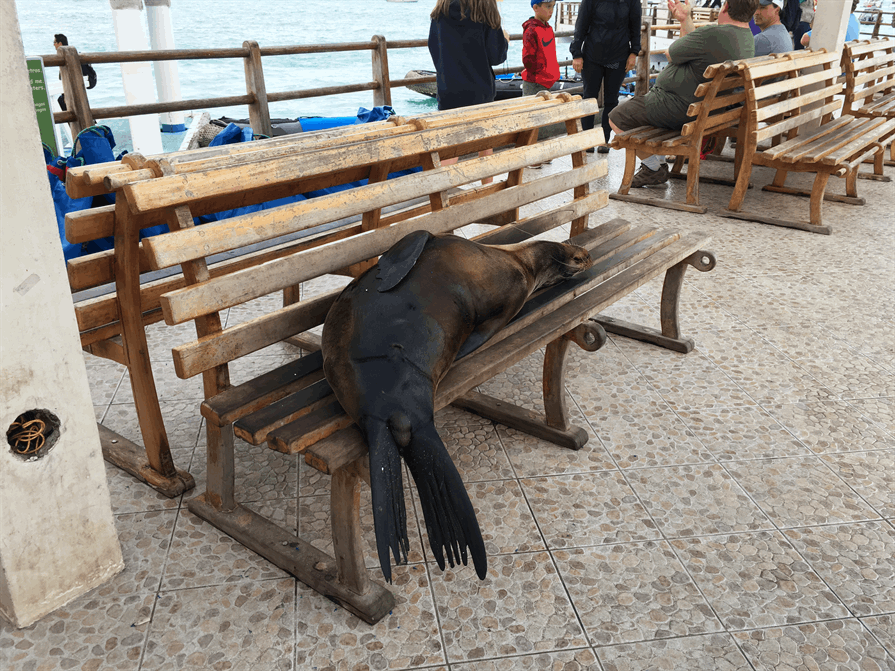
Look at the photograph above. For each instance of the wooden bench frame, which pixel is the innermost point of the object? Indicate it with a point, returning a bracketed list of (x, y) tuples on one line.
[(802, 90), (717, 115), (288, 407), (869, 67), (112, 324)]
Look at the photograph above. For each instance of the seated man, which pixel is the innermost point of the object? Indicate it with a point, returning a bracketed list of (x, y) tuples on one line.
[(773, 38), (665, 105)]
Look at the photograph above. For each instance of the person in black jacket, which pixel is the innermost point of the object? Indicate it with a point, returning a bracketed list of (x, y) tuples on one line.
[(465, 41), (60, 40), (604, 48)]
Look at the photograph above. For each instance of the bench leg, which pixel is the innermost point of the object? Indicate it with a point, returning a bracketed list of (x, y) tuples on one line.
[(630, 162), (670, 336), (343, 580), (590, 337)]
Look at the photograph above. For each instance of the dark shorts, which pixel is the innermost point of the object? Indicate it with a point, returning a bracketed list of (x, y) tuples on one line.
[(631, 114)]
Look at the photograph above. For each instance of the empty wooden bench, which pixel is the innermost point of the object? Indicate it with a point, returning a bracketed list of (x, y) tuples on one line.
[(290, 409), (112, 320), (869, 67), (716, 115), (794, 98)]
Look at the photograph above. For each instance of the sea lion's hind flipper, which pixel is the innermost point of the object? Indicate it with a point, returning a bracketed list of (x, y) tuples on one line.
[(387, 489), (451, 522), (397, 261)]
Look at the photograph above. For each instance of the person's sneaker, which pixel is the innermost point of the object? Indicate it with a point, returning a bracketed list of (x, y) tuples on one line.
[(647, 177)]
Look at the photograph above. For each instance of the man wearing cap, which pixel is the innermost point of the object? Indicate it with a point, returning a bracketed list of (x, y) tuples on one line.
[(773, 38)]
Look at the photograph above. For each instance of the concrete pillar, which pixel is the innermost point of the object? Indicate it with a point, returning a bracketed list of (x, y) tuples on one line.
[(167, 82), (127, 17), (830, 23), (57, 534)]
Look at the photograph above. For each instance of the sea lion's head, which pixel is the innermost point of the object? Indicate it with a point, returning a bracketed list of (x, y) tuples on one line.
[(552, 262)]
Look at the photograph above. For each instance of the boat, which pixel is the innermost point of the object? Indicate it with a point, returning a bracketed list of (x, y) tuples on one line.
[(508, 86)]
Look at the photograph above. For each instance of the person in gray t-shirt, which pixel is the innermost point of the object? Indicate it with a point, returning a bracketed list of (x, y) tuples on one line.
[(773, 38)]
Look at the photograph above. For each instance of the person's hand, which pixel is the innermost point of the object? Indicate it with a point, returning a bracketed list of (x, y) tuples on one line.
[(506, 34), (679, 10), (805, 39), (577, 64), (631, 62)]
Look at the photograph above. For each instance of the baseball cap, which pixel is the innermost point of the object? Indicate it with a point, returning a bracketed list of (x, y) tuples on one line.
[(538, 2), (765, 3)]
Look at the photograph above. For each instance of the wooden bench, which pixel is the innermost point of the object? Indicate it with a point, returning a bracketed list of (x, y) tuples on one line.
[(290, 408), (791, 99), (112, 323), (716, 115), (869, 67)]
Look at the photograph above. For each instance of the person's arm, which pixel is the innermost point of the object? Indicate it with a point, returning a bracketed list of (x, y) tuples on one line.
[(634, 18), (687, 48), (530, 50), (496, 43), (682, 12), (582, 26)]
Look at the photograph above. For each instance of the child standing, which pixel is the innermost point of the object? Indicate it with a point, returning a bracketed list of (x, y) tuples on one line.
[(539, 50)]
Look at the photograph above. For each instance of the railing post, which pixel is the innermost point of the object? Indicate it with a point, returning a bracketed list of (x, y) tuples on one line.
[(879, 20), (642, 85), (75, 91), (382, 95), (259, 110)]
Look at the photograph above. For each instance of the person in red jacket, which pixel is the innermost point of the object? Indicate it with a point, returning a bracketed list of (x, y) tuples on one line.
[(539, 50)]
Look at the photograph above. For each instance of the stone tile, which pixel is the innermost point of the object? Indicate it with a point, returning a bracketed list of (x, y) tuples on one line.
[(247, 368), (880, 411), (840, 645), (103, 377), (312, 482), (521, 607), (832, 426), (329, 637), (781, 382), (261, 473), (168, 386), (870, 474), (757, 580), (531, 456), (587, 509), (748, 432), (799, 491), (696, 382), (477, 452), (696, 501), (89, 633), (519, 384), (182, 423), (582, 659), (202, 555), (648, 434), (634, 592), (883, 627), (855, 377), (506, 521), (129, 495), (248, 625), (709, 652), (857, 561), (607, 380), (145, 539)]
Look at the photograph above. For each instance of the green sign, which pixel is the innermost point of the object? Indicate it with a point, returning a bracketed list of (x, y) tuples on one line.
[(42, 103)]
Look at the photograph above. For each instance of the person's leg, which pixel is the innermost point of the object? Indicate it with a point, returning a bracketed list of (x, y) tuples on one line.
[(632, 114), (592, 77), (612, 82)]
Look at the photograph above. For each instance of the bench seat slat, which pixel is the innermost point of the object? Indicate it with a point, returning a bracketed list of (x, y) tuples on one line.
[(346, 445), (824, 144)]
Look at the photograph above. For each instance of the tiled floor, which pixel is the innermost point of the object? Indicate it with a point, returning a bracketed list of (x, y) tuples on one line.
[(734, 508)]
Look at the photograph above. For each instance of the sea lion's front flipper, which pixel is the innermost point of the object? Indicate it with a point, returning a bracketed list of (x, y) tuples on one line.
[(387, 489), (397, 261), (451, 523)]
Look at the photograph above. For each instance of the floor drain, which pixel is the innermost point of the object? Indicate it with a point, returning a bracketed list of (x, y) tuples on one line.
[(33, 433)]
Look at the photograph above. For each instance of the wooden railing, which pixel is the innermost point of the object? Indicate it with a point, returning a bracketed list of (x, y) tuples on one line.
[(81, 115), (883, 23)]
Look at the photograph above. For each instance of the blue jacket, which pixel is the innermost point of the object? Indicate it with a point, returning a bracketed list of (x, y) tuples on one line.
[(463, 53), (607, 31)]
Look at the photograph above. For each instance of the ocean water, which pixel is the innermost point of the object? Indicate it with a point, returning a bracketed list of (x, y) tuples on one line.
[(227, 23)]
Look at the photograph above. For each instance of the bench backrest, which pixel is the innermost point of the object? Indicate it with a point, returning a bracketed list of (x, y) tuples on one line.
[(786, 91), (337, 245), (264, 170), (869, 67)]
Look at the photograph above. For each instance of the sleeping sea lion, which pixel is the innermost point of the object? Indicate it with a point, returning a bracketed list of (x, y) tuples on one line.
[(388, 340)]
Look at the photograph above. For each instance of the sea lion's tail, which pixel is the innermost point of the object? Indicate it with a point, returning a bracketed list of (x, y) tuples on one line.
[(450, 518), (387, 488)]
